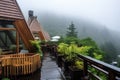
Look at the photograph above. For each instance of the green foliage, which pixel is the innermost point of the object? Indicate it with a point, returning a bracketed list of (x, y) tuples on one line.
[(79, 64), (94, 48), (5, 79), (62, 48), (68, 40), (88, 42), (74, 46), (98, 73), (85, 46), (71, 31), (71, 52), (97, 56), (36, 46), (84, 50)]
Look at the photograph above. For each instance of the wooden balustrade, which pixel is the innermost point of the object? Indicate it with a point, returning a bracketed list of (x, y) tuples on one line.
[(20, 64), (111, 71)]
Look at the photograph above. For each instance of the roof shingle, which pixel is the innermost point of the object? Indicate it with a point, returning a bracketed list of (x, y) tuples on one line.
[(10, 9)]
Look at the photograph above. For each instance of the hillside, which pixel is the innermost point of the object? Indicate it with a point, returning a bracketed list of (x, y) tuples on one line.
[(104, 37), (57, 25)]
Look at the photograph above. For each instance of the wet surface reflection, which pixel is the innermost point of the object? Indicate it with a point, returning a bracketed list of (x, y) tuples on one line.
[(34, 76)]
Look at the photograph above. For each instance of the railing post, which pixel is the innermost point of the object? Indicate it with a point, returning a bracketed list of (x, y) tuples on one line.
[(0, 69), (111, 75), (85, 70)]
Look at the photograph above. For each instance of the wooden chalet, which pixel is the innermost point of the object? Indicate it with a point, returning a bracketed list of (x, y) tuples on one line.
[(13, 27), (36, 28), (15, 31)]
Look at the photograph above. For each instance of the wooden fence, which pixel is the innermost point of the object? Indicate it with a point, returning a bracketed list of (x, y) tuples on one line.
[(20, 64), (104, 70), (112, 72)]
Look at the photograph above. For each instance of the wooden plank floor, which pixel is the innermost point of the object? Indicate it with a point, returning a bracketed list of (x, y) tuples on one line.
[(50, 70)]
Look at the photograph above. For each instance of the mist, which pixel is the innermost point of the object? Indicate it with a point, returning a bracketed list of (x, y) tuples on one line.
[(98, 19), (105, 12)]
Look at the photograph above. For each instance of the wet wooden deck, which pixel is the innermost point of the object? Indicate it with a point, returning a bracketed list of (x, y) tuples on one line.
[(50, 70)]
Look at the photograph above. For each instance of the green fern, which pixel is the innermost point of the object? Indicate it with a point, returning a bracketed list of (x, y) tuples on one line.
[(36, 45)]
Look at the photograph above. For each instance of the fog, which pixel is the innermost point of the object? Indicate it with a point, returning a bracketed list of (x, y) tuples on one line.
[(105, 12), (98, 19)]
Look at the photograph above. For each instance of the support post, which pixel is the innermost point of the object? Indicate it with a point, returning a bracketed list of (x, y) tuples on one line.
[(17, 42)]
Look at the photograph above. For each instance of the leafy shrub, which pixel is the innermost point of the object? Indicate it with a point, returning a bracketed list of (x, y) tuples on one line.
[(79, 64), (62, 48), (36, 46), (71, 47), (5, 79)]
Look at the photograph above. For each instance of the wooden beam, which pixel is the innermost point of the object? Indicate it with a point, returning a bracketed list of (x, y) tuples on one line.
[(1, 28), (41, 35), (25, 33), (17, 42)]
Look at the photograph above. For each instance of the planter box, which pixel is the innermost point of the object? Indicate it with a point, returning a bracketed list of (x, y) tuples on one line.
[(59, 60), (75, 73), (66, 64), (65, 67)]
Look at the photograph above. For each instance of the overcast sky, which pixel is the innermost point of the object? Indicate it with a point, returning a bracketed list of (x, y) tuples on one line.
[(105, 12)]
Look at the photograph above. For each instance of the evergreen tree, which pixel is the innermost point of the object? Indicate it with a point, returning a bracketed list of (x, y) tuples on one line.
[(71, 31)]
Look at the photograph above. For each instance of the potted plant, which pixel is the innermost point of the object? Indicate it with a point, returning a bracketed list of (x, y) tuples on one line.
[(61, 52), (76, 70), (70, 57), (37, 47)]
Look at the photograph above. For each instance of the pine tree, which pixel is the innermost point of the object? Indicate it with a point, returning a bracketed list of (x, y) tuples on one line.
[(71, 31)]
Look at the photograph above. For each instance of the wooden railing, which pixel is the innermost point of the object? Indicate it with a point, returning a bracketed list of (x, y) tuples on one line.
[(112, 72), (20, 64)]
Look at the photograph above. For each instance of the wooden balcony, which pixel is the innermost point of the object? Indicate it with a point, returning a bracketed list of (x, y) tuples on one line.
[(19, 64), (110, 72)]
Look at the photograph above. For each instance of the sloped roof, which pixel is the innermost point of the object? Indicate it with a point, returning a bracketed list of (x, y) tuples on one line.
[(10, 9), (35, 26), (47, 36)]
